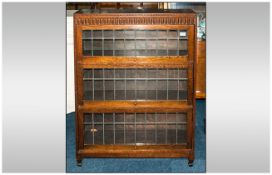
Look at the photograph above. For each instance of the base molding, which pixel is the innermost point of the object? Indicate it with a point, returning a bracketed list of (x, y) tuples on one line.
[(150, 151)]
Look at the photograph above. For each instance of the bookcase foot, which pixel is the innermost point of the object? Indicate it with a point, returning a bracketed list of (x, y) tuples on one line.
[(190, 163), (79, 163)]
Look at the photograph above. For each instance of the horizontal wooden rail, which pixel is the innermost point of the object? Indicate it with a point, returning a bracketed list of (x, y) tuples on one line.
[(135, 151), (134, 106), (135, 62)]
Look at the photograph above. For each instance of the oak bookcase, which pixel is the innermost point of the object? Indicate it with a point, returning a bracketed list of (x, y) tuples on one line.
[(134, 82)]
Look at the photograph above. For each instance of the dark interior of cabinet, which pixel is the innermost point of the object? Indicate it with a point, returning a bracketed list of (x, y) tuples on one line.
[(134, 42), (135, 128), (135, 84)]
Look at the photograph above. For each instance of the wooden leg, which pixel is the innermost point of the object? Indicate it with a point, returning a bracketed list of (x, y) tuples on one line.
[(79, 162), (190, 162)]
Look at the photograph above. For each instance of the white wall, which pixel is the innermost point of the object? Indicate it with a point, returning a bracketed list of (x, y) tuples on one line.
[(70, 66)]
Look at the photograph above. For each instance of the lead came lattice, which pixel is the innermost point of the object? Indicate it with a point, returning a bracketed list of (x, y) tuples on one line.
[(135, 84), (135, 128), (134, 43)]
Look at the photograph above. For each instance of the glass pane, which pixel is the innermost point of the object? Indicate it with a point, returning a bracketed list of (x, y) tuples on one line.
[(171, 117), (119, 44), (151, 44), (140, 34), (140, 44), (109, 134), (88, 118), (87, 47), (130, 44), (181, 134), (119, 34), (172, 45), (86, 34), (88, 134), (119, 134), (97, 34), (173, 34), (129, 34), (88, 89), (150, 134), (162, 44), (119, 73), (151, 34), (98, 134), (171, 134), (98, 90), (183, 45), (109, 73), (109, 90), (98, 118), (130, 117), (140, 134), (97, 44), (152, 90), (181, 117), (152, 73), (161, 134), (108, 44), (108, 34), (162, 34), (140, 118), (129, 134)]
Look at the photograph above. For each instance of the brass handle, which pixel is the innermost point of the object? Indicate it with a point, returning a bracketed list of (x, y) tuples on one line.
[(93, 130)]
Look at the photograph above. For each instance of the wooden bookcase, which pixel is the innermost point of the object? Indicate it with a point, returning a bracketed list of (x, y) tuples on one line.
[(134, 81)]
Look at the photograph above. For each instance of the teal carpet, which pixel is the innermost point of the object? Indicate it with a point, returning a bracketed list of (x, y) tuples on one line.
[(139, 165)]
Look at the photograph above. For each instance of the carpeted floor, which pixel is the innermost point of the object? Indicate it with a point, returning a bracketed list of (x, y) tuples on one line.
[(139, 165)]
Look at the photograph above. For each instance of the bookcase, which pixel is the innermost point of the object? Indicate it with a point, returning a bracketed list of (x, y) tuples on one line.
[(134, 83)]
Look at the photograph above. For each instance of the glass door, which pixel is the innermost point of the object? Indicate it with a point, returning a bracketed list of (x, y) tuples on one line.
[(134, 42)]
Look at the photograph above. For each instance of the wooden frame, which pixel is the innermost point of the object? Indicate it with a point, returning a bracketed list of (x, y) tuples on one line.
[(201, 69), (170, 20)]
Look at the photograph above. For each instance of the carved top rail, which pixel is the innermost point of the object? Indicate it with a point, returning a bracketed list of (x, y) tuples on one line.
[(133, 18)]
